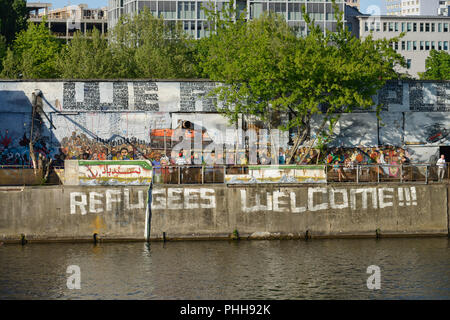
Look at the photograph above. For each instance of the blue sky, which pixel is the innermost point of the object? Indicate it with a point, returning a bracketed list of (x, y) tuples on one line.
[(102, 3)]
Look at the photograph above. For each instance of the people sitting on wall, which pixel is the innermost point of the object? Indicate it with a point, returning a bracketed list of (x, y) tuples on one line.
[(281, 157)]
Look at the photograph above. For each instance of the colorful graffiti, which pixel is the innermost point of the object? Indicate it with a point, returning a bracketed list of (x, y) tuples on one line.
[(16, 152)]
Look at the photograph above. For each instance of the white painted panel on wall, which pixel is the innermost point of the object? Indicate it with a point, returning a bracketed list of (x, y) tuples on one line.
[(169, 96), (79, 91), (106, 92)]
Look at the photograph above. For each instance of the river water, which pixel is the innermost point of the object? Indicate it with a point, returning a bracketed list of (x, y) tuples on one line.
[(411, 268)]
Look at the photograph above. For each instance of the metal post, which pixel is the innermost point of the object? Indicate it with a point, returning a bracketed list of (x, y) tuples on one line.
[(203, 174), (326, 174), (426, 175), (224, 173), (401, 174), (378, 173), (179, 175), (357, 174)]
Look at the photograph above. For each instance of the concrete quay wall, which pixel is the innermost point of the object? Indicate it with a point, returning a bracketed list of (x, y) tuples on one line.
[(72, 213)]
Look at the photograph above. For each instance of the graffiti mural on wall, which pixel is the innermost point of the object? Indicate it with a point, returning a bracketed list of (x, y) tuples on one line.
[(14, 140), (427, 128), (108, 116)]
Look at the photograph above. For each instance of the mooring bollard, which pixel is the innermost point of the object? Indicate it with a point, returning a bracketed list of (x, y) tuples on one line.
[(23, 240), (307, 235)]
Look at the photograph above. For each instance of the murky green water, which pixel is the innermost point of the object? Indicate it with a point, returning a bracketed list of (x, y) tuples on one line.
[(416, 268)]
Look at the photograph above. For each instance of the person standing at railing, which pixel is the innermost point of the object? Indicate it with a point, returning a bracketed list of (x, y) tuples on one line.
[(441, 167), (341, 174), (281, 157), (156, 163), (165, 162)]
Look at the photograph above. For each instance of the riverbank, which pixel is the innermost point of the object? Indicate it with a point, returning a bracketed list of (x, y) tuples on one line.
[(214, 212)]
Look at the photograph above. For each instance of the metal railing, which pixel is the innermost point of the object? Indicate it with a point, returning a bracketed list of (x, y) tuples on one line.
[(379, 173), (189, 174), (219, 174), (360, 174)]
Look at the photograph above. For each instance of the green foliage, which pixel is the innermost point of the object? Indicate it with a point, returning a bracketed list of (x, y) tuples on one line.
[(33, 54), (147, 47), (263, 65), (13, 18), (87, 57), (437, 66)]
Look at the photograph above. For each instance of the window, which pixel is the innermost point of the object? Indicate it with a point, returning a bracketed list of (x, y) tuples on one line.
[(408, 45), (421, 45), (366, 25), (427, 45), (408, 64), (445, 27), (445, 45), (414, 45), (409, 27), (440, 45), (421, 27), (378, 26), (391, 26), (414, 27), (403, 26), (427, 27), (396, 46), (432, 45), (432, 27), (384, 26), (403, 45), (439, 27)]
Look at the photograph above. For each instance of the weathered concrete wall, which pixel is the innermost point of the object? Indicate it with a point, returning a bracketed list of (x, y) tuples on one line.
[(68, 213), (292, 211), (216, 211), (19, 177)]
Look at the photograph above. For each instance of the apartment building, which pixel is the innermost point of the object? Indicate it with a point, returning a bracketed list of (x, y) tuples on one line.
[(423, 33), (193, 18), (412, 7), (393, 7), (64, 22), (444, 8)]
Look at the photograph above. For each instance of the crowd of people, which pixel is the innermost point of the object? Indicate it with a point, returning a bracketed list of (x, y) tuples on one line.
[(81, 147)]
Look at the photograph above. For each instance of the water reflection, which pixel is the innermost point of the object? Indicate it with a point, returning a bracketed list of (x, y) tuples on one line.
[(293, 269)]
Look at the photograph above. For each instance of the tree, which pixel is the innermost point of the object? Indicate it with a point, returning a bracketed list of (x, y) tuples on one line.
[(147, 47), (437, 66), (33, 54), (13, 18), (87, 57), (264, 68)]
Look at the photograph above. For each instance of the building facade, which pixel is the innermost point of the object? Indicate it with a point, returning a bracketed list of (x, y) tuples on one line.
[(64, 22), (412, 7), (194, 21), (423, 33), (444, 8), (393, 7)]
